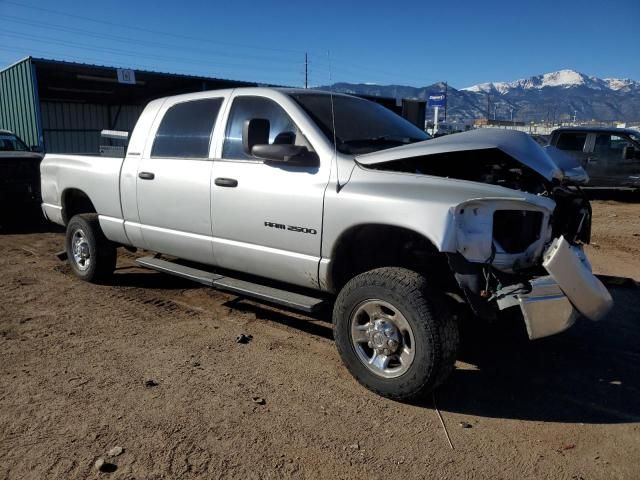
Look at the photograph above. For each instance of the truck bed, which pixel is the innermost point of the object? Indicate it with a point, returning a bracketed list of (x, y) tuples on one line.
[(97, 176)]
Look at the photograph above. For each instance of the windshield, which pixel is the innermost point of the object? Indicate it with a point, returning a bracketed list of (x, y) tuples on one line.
[(11, 143), (361, 126)]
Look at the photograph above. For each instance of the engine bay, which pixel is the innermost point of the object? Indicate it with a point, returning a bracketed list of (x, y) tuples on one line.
[(571, 217)]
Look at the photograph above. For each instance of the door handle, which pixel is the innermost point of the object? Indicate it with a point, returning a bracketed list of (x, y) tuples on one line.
[(226, 182), (146, 175)]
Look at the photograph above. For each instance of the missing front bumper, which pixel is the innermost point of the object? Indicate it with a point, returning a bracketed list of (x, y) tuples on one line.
[(557, 300), (569, 267)]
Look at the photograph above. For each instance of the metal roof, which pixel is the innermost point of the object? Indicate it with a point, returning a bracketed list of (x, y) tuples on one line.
[(41, 60)]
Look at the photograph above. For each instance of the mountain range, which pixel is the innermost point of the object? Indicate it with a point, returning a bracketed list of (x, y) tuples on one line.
[(554, 96)]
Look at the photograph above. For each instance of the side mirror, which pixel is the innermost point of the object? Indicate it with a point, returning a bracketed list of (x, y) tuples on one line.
[(294, 155), (255, 132), (36, 148)]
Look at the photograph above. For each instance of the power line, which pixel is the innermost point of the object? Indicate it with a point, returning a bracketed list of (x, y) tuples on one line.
[(138, 28), (126, 53), (129, 40), (138, 66)]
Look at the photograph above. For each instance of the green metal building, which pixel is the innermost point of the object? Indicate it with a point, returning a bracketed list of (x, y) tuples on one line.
[(19, 105), (62, 106)]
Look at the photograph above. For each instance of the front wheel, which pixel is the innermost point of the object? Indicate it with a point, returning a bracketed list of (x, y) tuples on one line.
[(394, 333), (91, 255)]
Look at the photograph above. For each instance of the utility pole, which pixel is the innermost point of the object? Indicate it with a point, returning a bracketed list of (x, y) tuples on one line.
[(488, 106), (446, 100), (306, 71)]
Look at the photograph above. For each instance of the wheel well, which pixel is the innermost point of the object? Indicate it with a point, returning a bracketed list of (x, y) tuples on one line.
[(370, 246), (75, 201)]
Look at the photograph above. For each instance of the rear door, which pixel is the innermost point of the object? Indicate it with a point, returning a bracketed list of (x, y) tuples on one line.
[(173, 180), (574, 144), (267, 218)]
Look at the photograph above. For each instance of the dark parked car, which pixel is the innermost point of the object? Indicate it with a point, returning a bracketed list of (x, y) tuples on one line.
[(19, 172), (611, 156)]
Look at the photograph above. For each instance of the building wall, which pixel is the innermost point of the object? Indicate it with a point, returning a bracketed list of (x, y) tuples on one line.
[(75, 127), (18, 102)]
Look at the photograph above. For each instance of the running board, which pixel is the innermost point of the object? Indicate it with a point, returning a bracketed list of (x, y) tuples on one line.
[(240, 287)]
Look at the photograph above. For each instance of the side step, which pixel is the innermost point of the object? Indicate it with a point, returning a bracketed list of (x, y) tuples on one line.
[(241, 287)]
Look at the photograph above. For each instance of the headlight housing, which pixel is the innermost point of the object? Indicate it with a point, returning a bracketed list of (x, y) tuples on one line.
[(515, 230), (508, 234)]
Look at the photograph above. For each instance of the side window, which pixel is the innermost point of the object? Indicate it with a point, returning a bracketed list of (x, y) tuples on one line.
[(571, 141), (610, 148), (281, 127), (185, 129)]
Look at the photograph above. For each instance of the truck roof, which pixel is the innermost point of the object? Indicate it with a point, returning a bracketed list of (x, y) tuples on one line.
[(253, 90), (596, 129)]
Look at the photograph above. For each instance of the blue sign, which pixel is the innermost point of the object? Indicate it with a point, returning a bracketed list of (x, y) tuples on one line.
[(437, 100)]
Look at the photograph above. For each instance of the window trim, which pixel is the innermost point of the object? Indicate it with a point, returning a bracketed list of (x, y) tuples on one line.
[(229, 111), (162, 116)]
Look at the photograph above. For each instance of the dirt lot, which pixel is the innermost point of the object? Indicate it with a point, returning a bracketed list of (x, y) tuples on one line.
[(75, 359)]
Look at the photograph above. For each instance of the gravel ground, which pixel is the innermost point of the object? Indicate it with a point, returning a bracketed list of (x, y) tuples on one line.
[(150, 364)]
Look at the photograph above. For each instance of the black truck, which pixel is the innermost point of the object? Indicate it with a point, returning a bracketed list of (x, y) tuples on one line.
[(19, 173), (611, 156)]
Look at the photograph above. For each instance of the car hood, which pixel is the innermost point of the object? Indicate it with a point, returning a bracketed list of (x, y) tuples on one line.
[(551, 163)]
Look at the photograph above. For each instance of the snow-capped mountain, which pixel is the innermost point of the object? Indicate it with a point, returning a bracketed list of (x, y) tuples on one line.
[(550, 96), (561, 79)]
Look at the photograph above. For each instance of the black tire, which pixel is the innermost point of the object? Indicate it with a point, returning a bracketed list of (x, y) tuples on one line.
[(434, 328), (102, 253)]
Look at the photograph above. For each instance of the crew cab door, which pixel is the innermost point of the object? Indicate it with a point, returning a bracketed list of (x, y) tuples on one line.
[(267, 218), (173, 180), (572, 143), (608, 162)]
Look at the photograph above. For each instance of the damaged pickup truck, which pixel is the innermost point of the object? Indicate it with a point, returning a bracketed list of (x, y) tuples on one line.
[(305, 198)]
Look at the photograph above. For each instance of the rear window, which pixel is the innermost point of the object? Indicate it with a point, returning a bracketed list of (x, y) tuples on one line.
[(571, 141), (185, 130)]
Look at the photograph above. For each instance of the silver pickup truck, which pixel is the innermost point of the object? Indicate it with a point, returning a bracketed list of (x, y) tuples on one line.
[(305, 198)]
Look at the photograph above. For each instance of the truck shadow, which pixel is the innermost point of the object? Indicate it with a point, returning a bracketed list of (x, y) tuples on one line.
[(627, 196), (134, 276), (588, 374)]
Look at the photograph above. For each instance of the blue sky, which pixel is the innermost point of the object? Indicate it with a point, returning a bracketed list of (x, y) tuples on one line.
[(410, 43)]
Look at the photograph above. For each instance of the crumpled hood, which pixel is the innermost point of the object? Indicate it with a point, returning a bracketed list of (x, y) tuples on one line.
[(550, 163)]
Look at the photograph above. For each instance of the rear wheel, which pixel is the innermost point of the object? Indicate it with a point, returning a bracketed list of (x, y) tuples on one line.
[(91, 255), (395, 333)]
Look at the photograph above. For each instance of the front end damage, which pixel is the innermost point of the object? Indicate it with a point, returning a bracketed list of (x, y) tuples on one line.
[(528, 254), (507, 252), (514, 254)]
